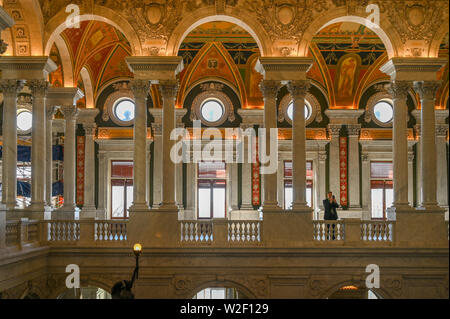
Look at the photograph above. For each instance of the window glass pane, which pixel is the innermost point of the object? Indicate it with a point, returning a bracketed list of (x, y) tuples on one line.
[(117, 196), (377, 203), (24, 120), (389, 194), (290, 111), (309, 169), (211, 170), (212, 111), (204, 202), (129, 198), (218, 293), (381, 170), (288, 194), (124, 110), (219, 202), (309, 196), (383, 111)]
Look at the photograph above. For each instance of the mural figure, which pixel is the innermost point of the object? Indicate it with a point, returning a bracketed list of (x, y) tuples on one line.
[(347, 76)]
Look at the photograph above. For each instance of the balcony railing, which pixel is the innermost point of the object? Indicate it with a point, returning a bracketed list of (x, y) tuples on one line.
[(201, 233)]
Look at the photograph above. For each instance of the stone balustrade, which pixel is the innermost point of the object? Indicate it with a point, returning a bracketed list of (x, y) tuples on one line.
[(202, 233)]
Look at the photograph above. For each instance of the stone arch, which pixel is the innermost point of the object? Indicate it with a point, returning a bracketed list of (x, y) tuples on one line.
[(88, 87), (330, 291), (433, 51), (57, 24), (392, 42), (220, 284), (205, 15), (66, 60), (32, 14)]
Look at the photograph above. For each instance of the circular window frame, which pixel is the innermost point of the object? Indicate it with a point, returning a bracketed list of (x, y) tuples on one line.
[(115, 118), (374, 100), (311, 103), (221, 98), (122, 93), (213, 123), (23, 110)]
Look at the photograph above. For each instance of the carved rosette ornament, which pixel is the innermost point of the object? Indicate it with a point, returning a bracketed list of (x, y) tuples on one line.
[(427, 89)]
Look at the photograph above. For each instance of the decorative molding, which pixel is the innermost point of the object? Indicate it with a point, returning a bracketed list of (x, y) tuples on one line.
[(11, 87), (427, 89), (311, 102), (373, 100), (270, 88), (123, 90)]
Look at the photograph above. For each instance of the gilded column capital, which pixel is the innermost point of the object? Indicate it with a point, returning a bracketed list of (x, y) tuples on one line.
[(168, 89), (11, 87), (70, 112), (399, 89), (39, 88), (427, 89), (269, 88), (140, 88)]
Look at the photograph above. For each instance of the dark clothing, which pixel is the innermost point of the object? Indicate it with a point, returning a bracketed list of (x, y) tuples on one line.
[(330, 210)]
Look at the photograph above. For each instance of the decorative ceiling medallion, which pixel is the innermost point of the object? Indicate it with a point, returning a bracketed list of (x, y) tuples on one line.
[(415, 15), (285, 14), (154, 13)]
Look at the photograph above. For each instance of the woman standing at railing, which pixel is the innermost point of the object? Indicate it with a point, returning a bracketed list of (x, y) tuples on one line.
[(330, 206)]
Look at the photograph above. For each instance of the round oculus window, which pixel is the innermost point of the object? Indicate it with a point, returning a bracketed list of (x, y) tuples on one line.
[(24, 120), (383, 111), (212, 111), (124, 110)]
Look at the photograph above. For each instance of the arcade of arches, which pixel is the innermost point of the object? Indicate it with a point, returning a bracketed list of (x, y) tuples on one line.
[(148, 122)]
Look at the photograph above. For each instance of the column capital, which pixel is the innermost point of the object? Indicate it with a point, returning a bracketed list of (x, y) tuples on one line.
[(51, 110), (90, 128), (365, 157), (418, 129), (353, 129), (70, 112), (299, 88), (322, 156), (39, 88), (269, 88), (399, 89), (427, 89), (11, 87), (334, 129), (157, 128), (441, 130), (168, 89), (140, 88), (410, 156)]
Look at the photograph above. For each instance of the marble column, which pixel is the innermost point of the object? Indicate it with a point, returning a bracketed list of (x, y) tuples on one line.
[(334, 180), (322, 178), (442, 165), (411, 179), (157, 165), (89, 210), (189, 210), (246, 187), (51, 110), (69, 210), (427, 91), (140, 90), (269, 90), (39, 90), (365, 194), (353, 165), (399, 91), (102, 176), (168, 91), (10, 88), (298, 90), (418, 161)]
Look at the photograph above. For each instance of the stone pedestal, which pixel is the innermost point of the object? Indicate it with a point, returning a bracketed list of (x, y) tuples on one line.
[(288, 229)]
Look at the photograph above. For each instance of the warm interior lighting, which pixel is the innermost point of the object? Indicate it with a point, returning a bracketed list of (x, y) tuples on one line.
[(351, 287), (137, 249)]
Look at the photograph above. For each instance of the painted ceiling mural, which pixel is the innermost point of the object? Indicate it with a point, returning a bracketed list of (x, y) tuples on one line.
[(101, 49)]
